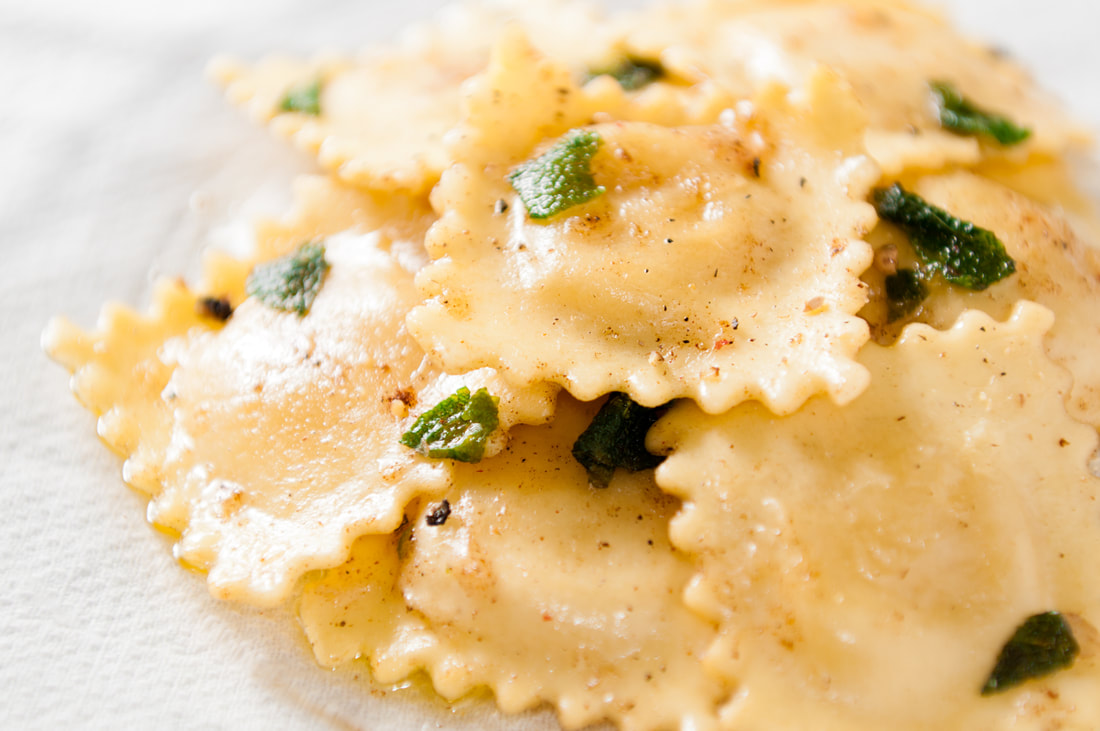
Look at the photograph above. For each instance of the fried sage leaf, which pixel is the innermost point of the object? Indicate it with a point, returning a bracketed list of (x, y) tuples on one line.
[(616, 438), (561, 177), (1043, 644), (291, 282), (456, 428), (303, 98), (966, 255), (961, 116), (632, 73), (905, 290)]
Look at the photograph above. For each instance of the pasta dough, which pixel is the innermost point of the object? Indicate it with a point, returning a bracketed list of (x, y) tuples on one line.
[(118, 374), (889, 52), (1056, 269), (227, 421), (860, 585), (536, 586), (383, 117), (255, 404), (855, 513), (656, 288)]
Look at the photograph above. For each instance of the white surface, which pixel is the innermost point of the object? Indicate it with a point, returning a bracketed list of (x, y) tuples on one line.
[(118, 160)]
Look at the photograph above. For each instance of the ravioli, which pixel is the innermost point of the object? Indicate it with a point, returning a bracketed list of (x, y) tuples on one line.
[(1056, 268), (536, 585), (285, 434), (888, 51), (118, 374), (121, 368), (866, 563), (673, 206), (382, 117), (722, 264), (225, 429)]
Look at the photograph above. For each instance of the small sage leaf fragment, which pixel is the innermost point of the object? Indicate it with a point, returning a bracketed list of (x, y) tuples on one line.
[(304, 98), (616, 438), (961, 116), (631, 73), (561, 177), (1043, 644), (458, 427), (905, 290), (291, 282)]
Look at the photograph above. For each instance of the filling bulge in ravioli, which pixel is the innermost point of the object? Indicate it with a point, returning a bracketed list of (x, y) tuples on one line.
[(533, 583), (286, 427), (122, 367), (719, 262), (267, 439), (867, 563)]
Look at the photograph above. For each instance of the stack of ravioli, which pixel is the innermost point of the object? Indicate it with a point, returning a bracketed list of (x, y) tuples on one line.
[(870, 501)]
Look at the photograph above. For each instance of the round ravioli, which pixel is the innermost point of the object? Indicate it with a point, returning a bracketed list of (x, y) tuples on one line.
[(378, 121), (719, 261), (889, 51), (121, 369), (269, 440), (531, 582), (286, 427), (866, 564), (1054, 267)]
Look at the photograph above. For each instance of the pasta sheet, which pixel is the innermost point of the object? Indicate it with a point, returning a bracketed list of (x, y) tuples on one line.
[(722, 264), (866, 563)]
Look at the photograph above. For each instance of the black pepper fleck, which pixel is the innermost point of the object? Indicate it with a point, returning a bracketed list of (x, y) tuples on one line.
[(216, 307), (439, 514)]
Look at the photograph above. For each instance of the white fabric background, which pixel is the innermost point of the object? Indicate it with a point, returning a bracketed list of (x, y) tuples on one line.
[(117, 162)]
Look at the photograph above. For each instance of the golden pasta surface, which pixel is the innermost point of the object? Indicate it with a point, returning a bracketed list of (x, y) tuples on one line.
[(716, 365)]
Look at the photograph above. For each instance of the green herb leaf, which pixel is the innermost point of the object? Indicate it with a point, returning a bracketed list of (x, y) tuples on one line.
[(631, 73), (905, 290), (561, 177), (966, 255), (304, 98), (404, 538), (959, 115), (292, 282), (1043, 644), (616, 438), (456, 428)]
